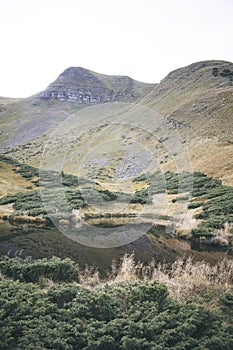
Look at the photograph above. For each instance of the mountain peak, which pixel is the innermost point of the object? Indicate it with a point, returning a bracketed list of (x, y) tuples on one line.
[(81, 85), (73, 73), (199, 68)]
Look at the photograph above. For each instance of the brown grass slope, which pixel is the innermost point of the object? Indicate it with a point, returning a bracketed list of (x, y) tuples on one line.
[(198, 101)]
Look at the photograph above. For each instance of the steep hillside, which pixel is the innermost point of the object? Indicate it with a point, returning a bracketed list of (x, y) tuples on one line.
[(116, 195), (197, 100), (191, 84)]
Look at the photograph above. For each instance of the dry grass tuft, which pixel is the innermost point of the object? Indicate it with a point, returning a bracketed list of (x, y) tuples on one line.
[(89, 276), (184, 278), (227, 230), (130, 271), (187, 278)]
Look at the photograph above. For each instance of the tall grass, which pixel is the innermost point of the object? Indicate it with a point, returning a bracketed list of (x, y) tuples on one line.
[(184, 278)]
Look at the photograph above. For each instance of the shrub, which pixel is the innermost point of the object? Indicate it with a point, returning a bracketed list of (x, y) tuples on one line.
[(142, 177), (201, 232), (8, 199), (195, 205), (226, 72), (31, 270), (215, 71), (142, 197), (137, 316), (108, 195)]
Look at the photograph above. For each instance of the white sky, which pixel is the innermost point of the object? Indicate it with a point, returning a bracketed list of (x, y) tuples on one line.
[(144, 39)]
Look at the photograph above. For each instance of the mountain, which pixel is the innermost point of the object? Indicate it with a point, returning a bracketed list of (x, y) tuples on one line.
[(196, 101), (84, 86), (26, 123)]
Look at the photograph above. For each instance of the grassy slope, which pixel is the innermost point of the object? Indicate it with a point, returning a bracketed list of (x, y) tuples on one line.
[(11, 183), (27, 123), (202, 104)]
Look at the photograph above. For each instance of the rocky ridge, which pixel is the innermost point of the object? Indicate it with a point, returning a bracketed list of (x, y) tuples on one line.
[(84, 86)]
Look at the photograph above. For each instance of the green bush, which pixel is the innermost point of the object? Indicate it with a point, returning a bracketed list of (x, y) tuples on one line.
[(215, 71), (202, 232), (32, 270), (218, 209), (8, 199), (226, 72), (227, 305), (194, 205), (108, 195), (138, 316), (142, 196), (142, 177)]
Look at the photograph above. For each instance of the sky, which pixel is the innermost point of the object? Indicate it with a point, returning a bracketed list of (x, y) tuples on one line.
[(144, 39)]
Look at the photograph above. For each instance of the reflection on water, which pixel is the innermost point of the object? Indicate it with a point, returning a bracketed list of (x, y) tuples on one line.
[(110, 233)]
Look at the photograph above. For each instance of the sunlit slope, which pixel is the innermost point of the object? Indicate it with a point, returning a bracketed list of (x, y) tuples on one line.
[(198, 102)]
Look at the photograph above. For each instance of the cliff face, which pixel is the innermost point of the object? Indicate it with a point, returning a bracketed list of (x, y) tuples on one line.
[(83, 86)]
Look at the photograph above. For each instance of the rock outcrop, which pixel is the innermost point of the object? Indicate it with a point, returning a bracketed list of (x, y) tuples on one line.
[(83, 86)]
